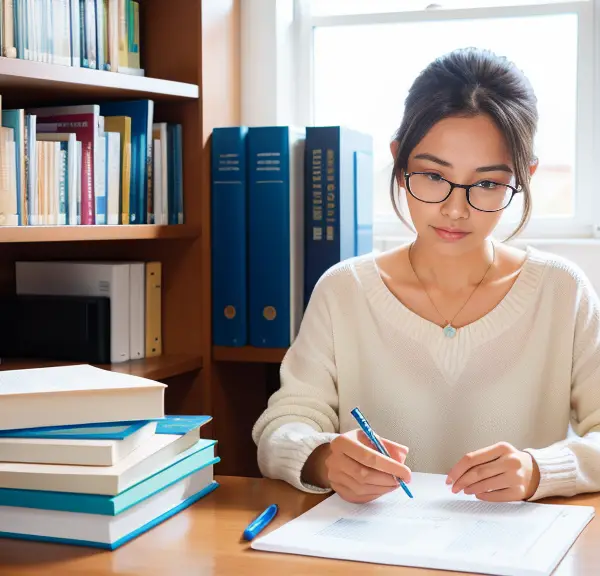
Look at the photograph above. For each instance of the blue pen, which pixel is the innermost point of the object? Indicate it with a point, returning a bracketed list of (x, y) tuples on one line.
[(366, 428), (260, 522)]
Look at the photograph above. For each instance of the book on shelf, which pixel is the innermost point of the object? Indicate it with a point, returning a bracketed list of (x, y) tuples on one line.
[(90, 164), (134, 326), (73, 471), (96, 34), (287, 204)]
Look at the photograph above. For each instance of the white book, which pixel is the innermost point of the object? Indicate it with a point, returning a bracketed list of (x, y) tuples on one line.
[(75, 451), (79, 394), (437, 529), (103, 530), (45, 133), (151, 457), (137, 310), (84, 279)]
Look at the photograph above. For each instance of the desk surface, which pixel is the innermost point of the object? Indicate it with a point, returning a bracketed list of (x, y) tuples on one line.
[(205, 540)]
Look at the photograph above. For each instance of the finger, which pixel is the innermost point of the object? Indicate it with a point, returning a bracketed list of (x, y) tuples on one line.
[(478, 474), (358, 487), (397, 451), (369, 457), (361, 473), (506, 495), (499, 482), (347, 494), (468, 461)]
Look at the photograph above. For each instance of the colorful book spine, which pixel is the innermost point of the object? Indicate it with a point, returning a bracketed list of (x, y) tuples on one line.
[(338, 201), (276, 234), (229, 236)]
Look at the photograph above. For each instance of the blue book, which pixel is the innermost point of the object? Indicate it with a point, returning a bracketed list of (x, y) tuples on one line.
[(141, 113), (338, 201), (110, 430), (199, 456), (175, 173), (229, 235), (275, 234), (103, 431)]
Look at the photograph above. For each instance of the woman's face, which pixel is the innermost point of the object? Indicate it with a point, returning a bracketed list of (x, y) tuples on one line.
[(464, 151)]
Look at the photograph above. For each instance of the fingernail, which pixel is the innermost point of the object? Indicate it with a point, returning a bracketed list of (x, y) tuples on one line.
[(448, 480)]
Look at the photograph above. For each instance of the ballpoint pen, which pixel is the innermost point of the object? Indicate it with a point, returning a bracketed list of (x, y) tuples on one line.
[(260, 522), (366, 428)]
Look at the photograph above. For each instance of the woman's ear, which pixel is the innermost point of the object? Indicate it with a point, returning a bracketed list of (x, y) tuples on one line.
[(533, 165)]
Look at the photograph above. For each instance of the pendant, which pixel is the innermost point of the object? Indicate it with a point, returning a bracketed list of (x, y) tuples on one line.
[(450, 331)]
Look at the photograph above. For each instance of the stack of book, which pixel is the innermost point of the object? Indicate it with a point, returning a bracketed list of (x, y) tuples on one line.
[(88, 457)]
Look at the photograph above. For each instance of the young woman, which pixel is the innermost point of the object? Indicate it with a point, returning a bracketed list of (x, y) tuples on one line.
[(468, 357)]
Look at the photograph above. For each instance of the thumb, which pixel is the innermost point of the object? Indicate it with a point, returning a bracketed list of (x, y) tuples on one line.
[(397, 451)]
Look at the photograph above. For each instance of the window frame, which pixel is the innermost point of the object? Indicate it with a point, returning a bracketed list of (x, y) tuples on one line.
[(277, 88)]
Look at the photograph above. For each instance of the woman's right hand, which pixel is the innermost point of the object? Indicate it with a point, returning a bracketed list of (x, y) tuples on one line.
[(356, 470)]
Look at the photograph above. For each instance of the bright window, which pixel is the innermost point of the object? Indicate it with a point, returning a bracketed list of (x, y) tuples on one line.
[(364, 54)]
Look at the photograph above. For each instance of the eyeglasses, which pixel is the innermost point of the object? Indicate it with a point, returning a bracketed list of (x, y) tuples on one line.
[(485, 196)]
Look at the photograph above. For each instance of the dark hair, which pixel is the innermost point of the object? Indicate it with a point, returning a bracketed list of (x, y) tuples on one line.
[(468, 82)]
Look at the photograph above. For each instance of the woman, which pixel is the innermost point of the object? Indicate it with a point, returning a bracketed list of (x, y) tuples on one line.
[(468, 357)]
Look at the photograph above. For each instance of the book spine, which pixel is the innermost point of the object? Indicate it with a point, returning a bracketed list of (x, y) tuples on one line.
[(229, 236), (273, 247), (321, 208)]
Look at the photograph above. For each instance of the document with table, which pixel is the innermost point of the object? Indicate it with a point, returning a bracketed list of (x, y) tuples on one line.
[(436, 529)]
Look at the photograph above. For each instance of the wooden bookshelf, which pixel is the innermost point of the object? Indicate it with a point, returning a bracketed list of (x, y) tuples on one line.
[(170, 40), (248, 354), (158, 368), (93, 233), (23, 75)]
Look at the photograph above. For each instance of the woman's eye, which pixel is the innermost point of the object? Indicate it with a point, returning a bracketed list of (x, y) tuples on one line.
[(433, 177), (488, 185)]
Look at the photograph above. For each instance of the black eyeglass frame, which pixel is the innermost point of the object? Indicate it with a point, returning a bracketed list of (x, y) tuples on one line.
[(465, 187)]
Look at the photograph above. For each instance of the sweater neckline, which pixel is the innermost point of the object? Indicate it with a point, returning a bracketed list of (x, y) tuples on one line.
[(498, 320)]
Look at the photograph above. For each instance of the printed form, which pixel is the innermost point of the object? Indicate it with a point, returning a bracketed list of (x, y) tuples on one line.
[(436, 529)]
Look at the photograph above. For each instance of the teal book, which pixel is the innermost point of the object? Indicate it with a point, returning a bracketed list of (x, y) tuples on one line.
[(199, 456), (106, 531)]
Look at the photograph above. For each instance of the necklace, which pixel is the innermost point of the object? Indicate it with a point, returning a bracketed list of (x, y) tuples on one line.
[(449, 330)]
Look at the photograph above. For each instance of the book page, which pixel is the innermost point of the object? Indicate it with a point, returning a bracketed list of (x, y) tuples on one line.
[(436, 529)]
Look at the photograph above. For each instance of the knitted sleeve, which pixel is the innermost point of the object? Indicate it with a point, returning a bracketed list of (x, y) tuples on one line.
[(303, 413), (572, 466)]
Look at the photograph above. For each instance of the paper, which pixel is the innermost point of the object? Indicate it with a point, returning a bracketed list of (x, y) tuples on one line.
[(436, 529)]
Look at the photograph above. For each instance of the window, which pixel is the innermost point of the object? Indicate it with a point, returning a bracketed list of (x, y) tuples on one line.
[(357, 59)]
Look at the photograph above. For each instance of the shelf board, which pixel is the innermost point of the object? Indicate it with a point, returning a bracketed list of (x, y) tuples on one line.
[(16, 73), (99, 232), (157, 368), (248, 354)]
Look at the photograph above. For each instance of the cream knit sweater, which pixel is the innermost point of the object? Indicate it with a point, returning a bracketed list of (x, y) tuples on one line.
[(520, 374)]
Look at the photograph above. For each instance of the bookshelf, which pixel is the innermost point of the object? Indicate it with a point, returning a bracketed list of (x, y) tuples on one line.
[(159, 368), (171, 57), (248, 354), (190, 54), (93, 233), (17, 74)]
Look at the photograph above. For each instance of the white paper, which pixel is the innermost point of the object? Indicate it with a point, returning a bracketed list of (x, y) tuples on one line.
[(436, 529), (67, 379)]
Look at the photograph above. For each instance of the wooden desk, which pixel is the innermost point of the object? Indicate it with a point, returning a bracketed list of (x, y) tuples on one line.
[(205, 541)]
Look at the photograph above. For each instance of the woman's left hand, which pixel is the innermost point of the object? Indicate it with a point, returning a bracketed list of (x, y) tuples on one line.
[(498, 473)]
